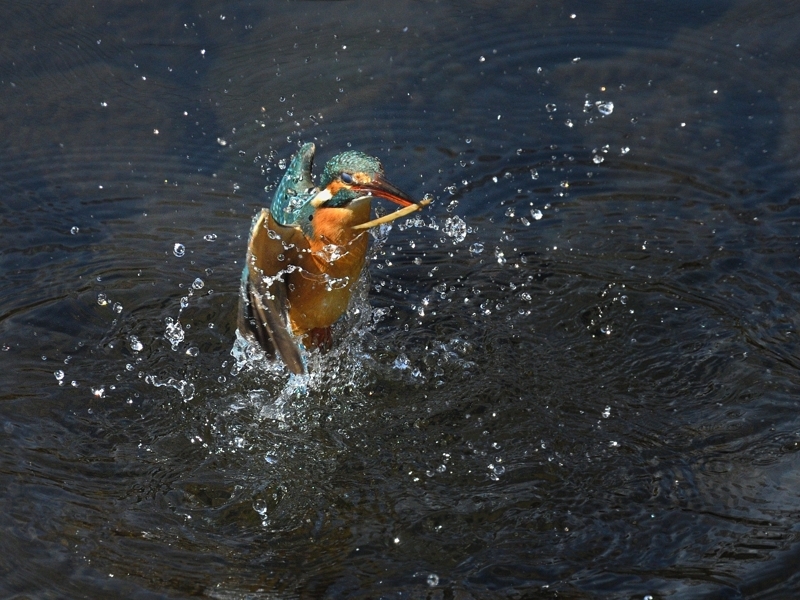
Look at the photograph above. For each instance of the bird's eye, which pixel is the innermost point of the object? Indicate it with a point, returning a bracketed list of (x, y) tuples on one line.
[(347, 178)]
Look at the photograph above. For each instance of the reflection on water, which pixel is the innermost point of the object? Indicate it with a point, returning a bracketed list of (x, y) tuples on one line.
[(575, 374)]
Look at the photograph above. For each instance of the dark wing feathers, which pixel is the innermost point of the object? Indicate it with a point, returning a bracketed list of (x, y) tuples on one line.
[(264, 305)]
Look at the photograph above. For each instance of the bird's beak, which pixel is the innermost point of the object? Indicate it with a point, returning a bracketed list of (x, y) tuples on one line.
[(377, 188), (381, 188)]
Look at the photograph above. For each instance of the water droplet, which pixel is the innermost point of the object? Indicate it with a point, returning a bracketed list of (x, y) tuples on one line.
[(536, 214), (221, 142), (99, 392), (550, 107), (402, 363), (456, 228), (179, 250), (135, 345), (75, 230), (433, 580), (534, 174), (476, 248), (210, 237), (597, 159), (605, 108), (174, 332), (606, 412), (102, 299), (117, 308), (59, 376), (193, 351), (198, 284)]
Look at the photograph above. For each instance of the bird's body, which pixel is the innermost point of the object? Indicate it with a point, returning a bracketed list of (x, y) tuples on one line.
[(307, 251)]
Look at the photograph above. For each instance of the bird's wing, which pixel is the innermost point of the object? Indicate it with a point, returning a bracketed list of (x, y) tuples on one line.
[(293, 193), (264, 306)]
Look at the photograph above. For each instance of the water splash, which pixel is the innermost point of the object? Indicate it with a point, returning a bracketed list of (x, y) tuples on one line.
[(185, 388), (174, 332), (455, 228)]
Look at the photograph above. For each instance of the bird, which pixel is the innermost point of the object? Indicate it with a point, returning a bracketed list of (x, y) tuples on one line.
[(307, 250)]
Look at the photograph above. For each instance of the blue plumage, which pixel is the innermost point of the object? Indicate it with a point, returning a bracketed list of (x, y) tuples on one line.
[(290, 204)]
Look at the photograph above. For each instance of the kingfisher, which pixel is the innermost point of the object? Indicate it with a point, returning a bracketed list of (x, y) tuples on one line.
[(307, 250)]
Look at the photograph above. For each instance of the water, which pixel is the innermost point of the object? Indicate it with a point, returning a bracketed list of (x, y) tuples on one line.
[(573, 375)]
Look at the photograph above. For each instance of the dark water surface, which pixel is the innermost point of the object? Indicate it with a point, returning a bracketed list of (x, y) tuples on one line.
[(575, 375)]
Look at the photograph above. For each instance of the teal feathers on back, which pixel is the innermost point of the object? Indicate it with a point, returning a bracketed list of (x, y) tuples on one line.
[(290, 204)]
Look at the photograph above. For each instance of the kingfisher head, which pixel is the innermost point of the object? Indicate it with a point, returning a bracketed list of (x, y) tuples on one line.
[(353, 175)]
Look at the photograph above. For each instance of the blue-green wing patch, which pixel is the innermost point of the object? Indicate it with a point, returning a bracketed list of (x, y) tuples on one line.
[(290, 202)]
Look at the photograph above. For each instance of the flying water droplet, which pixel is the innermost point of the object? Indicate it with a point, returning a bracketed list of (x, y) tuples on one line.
[(134, 344), (102, 299), (536, 214), (75, 230), (174, 332), (401, 362), (605, 108), (179, 250), (476, 248), (500, 255), (456, 228)]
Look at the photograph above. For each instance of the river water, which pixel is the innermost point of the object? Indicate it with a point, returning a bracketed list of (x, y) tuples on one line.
[(574, 375)]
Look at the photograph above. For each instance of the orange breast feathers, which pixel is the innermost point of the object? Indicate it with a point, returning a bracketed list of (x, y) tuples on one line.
[(320, 292)]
